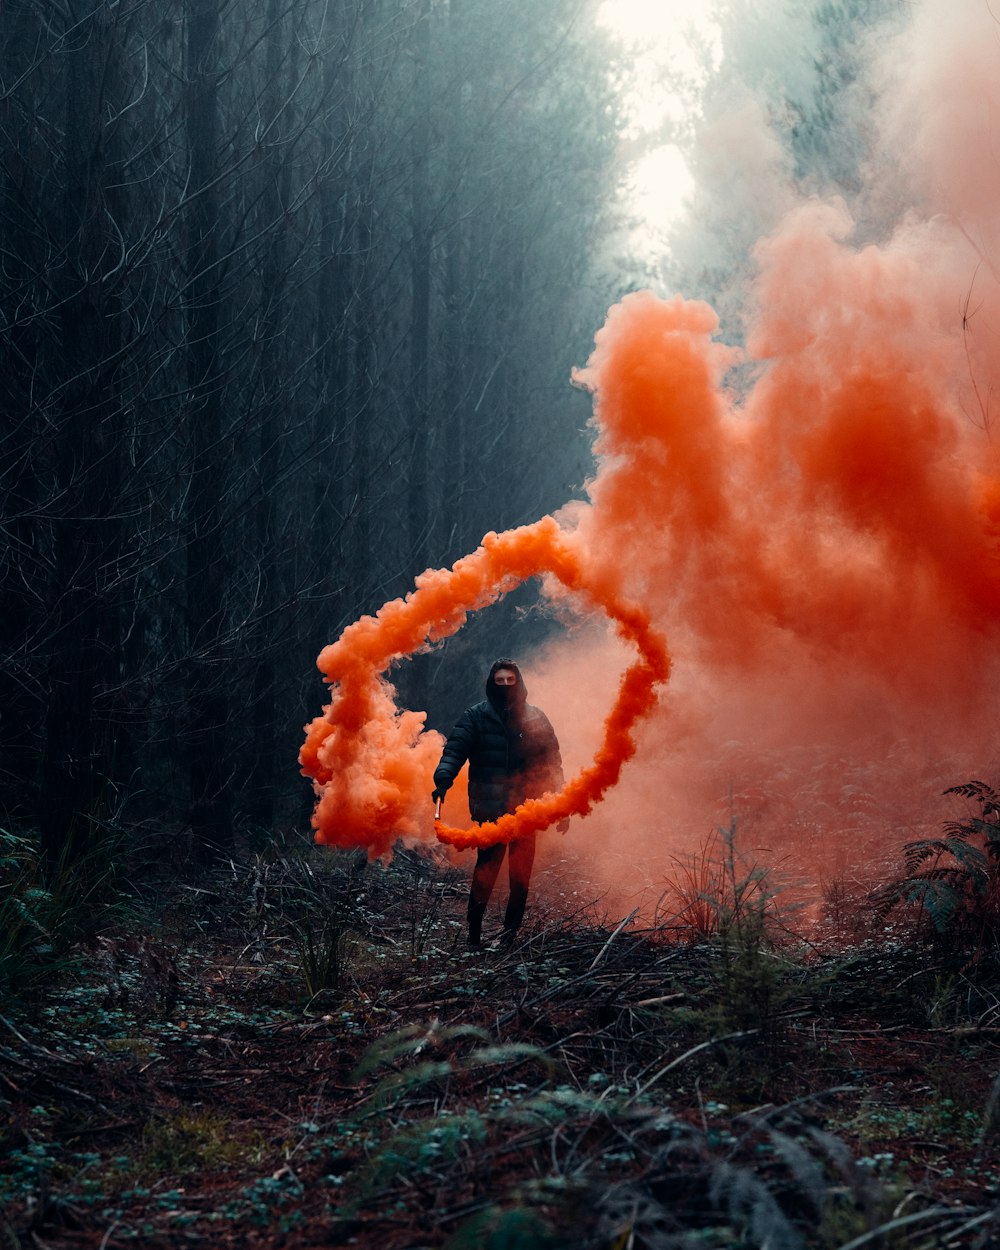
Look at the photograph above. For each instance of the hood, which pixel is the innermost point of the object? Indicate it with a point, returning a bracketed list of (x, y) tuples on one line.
[(498, 695)]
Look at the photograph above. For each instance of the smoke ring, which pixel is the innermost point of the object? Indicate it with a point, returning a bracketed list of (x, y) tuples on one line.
[(438, 608)]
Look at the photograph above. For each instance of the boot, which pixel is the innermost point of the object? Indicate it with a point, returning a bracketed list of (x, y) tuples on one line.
[(476, 913), (515, 909)]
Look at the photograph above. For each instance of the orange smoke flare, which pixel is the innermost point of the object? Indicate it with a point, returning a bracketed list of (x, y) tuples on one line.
[(373, 764)]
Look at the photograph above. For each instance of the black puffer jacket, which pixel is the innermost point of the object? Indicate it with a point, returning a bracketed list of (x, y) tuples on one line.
[(512, 751)]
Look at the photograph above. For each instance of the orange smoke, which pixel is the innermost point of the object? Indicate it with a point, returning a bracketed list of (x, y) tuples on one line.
[(823, 550), (850, 505), (827, 556), (373, 764)]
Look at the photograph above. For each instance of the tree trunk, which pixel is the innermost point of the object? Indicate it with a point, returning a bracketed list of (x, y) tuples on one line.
[(22, 575), (275, 171), (331, 502), (421, 509), (209, 759), (85, 440), (457, 363)]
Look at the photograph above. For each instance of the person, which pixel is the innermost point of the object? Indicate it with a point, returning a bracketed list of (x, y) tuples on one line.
[(513, 755)]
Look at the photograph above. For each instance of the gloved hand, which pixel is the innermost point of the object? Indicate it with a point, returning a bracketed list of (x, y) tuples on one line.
[(563, 825), (438, 794)]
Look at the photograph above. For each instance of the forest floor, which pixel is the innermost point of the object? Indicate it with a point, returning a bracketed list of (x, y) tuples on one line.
[(187, 1081)]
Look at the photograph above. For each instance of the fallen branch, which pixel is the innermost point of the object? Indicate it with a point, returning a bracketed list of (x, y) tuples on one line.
[(712, 1041), (607, 945)]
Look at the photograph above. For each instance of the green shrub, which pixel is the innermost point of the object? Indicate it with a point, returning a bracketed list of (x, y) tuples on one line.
[(36, 919), (952, 883), (46, 914), (731, 907)]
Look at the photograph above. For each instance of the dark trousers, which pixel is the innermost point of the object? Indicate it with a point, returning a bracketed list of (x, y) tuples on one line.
[(488, 861)]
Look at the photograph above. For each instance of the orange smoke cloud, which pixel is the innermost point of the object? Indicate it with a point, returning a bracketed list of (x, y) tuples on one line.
[(837, 532), (849, 505), (823, 555), (822, 551), (373, 764)]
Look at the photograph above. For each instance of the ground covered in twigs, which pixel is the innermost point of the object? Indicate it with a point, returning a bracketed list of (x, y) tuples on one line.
[(300, 1051)]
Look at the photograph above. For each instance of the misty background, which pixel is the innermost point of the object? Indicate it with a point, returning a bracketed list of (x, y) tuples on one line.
[(291, 294)]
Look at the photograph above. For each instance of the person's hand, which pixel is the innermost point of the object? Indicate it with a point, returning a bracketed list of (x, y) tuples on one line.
[(438, 795), (563, 825)]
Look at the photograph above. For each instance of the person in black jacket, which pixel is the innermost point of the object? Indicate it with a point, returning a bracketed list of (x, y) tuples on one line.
[(513, 755)]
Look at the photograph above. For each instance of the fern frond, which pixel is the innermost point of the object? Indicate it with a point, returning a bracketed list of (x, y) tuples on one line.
[(915, 853), (805, 1168), (963, 829), (939, 899), (968, 856), (957, 877), (974, 790), (745, 1198), (510, 1053), (411, 1039), (400, 1083), (835, 1149)]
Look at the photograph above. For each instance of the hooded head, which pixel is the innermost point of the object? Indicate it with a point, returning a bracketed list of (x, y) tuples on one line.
[(504, 694)]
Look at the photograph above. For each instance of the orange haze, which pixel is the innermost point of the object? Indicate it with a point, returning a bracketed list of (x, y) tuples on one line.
[(823, 552)]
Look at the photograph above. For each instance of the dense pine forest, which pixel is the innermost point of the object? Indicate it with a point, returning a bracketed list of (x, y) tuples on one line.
[(292, 292)]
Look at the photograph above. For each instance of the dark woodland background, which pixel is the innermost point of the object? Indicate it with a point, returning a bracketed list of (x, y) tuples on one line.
[(291, 294)]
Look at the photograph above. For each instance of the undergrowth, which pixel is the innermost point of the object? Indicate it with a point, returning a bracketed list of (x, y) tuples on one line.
[(46, 915), (301, 1048), (732, 910), (951, 884)]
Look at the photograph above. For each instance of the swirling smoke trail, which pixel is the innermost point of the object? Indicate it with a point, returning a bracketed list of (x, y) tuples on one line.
[(373, 763)]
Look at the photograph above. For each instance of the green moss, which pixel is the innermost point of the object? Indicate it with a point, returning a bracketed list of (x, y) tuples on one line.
[(193, 1142)]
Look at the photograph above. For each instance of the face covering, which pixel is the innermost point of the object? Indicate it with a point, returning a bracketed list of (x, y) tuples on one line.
[(505, 696)]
